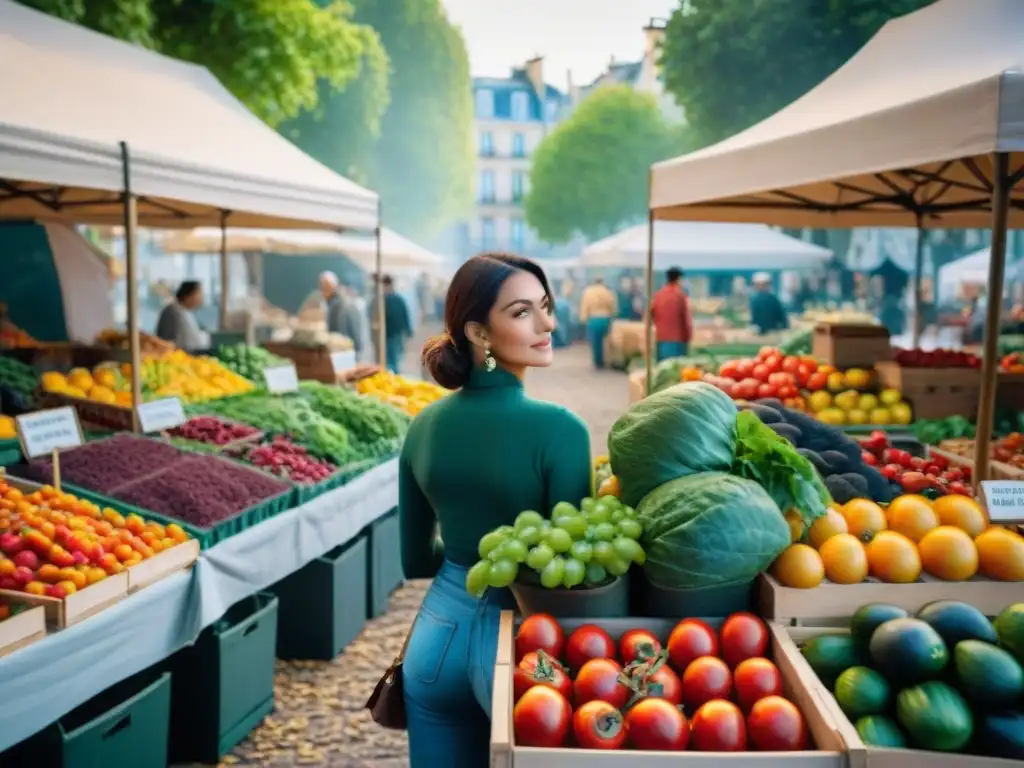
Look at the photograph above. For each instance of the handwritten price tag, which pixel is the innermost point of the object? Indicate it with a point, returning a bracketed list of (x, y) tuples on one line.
[(1004, 500), (160, 415), (343, 361), (281, 379), (43, 432)]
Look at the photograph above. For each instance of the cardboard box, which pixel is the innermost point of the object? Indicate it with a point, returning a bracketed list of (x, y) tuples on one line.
[(934, 393), (850, 346), (22, 630), (799, 685)]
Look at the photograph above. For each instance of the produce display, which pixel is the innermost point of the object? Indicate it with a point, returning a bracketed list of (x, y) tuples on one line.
[(54, 544), (949, 539), (149, 345), (283, 458), (406, 394), (930, 476), (368, 420), (14, 337), (945, 680), (17, 377), (1012, 363), (214, 431), (936, 358), (697, 689), (1008, 450), (249, 362), (935, 431)]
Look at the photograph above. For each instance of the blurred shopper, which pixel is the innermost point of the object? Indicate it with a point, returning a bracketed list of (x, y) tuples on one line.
[(341, 312), (670, 312), (597, 308), (397, 325), (630, 305), (766, 311), (178, 323)]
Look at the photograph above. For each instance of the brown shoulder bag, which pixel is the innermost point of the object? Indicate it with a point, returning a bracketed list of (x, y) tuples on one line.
[(387, 702)]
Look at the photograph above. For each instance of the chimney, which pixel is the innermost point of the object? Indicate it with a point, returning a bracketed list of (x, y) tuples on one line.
[(654, 33), (535, 74)]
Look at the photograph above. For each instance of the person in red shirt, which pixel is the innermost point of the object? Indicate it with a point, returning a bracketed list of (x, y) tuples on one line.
[(673, 324)]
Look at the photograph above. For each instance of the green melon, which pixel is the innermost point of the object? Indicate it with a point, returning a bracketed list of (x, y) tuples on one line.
[(830, 655), (1010, 629), (861, 691), (870, 617), (956, 621), (880, 731), (987, 675), (908, 651), (935, 716)]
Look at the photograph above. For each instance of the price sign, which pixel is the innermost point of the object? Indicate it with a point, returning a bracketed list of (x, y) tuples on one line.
[(160, 415), (43, 432), (343, 361), (1004, 500), (281, 378)]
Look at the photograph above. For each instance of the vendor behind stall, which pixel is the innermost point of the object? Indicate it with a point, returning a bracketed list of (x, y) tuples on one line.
[(178, 323), (341, 312), (766, 311)]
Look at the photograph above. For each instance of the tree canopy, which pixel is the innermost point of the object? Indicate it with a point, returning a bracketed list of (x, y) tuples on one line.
[(732, 63), (275, 56), (589, 175)]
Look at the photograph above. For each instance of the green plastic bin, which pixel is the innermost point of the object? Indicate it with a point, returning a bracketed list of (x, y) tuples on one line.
[(10, 451), (124, 726), (224, 683), (385, 563), (322, 606)]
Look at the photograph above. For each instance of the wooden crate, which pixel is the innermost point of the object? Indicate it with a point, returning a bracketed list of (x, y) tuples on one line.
[(22, 630), (90, 413), (162, 565), (997, 470), (61, 614), (850, 346), (799, 686), (934, 393)]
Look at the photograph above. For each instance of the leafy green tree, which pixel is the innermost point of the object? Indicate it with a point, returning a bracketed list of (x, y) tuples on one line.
[(274, 55), (732, 63), (589, 175)]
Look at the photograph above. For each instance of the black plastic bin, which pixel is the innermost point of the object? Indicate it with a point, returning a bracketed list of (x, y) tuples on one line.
[(650, 600), (322, 607), (610, 601), (385, 562), (224, 684)]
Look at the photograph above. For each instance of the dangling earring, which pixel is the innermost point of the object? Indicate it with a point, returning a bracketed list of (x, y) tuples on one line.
[(489, 362)]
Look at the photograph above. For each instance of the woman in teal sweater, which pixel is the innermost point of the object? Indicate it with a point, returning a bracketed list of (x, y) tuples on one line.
[(471, 462)]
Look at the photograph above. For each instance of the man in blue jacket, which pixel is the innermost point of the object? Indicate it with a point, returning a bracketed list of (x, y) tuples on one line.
[(766, 311)]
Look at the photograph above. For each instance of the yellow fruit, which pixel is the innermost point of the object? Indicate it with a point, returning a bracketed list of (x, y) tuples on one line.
[(961, 512), (864, 518), (856, 416), (912, 516), (844, 559), (836, 381), (880, 416), (890, 396), (102, 395), (857, 378), (799, 566), (1001, 554), (949, 553), (832, 523), (893, 558), (8, 429), (796, 525), (867, 402), (847, 400), (81, 379), (834, 416), (75, 392), (105, 377), (901, 413), (819, 401), (53, 381)]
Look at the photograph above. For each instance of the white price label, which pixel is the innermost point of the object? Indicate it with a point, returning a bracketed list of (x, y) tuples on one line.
[(343, 361), (160, 415), (1004, 500), (43, 432), (281, 378)]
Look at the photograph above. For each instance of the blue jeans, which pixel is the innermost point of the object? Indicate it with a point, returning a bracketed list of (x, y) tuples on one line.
[(394, 349), (597, 329), (666, 349), (448, 673)]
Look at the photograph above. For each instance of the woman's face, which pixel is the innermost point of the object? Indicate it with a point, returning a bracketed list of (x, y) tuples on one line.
[(520, 323)]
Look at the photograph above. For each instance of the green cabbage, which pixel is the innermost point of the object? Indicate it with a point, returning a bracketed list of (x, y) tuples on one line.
[(679, 431), (710, 529)]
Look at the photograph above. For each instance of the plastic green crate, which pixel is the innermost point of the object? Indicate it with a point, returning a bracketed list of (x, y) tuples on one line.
[(385, 563), (323, 605), (126, 726), (10, 452), (224, 683)]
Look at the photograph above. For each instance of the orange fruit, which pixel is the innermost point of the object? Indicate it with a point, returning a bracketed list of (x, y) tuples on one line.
[(799, 566), (95, 574), (961, 512), (844, 559), (7, 567), (893, 558), (69, 587), (949, 553), (1001, 554), (796, 526), (49, 573), (864, 518), (912, 516), (610, 487), (825, 527), (35, 588), (123, 552)]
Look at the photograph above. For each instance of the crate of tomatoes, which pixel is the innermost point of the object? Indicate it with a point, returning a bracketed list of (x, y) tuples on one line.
[(574, 693)]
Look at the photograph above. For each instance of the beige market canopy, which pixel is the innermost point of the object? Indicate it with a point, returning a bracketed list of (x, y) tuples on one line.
[(69, 96)]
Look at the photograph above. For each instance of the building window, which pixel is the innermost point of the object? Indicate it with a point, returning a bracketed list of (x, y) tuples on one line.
[(484, 103), (520, 106), (518, 145), (486, 232), (518, 234), (551, 111), (487, 186), (486, 144), (518, 186)]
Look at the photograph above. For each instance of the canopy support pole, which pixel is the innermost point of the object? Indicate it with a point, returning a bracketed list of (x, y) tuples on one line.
[(918, 293), (131, 220), (649, 290), (223, 320), (1001, 187), (378, 260)]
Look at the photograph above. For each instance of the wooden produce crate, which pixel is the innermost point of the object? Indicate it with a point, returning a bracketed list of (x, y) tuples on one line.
[(998, 470), (63, 613), (862, 755), (115, 417), (934, 393), (22, 630), (162, 565), (1010, 390), (850, 345), (799, 686), (311, 363)]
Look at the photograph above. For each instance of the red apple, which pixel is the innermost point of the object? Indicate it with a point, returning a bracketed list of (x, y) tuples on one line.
[(9, 582), (23, 575), (27, 558), (11, 543), (57, 591), (80, 557)]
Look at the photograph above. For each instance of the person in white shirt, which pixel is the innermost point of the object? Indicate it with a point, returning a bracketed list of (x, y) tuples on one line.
[(178, 323)]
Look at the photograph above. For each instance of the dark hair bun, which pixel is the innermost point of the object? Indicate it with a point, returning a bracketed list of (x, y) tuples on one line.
[(448, 364)]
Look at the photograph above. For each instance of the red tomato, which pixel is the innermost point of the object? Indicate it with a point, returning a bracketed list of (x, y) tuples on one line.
[(537, 668), (743, 636), (744, 368), (869, 458), (599, 679), (767, 390), (540, 632), (781, 379), (766, 352), (776, 725), (718, 727), (791, 365), (598, 725), (665, 684), (691, 639), (656, 724), (817, 381), (747, 389), (638, 645), (788, 392), (754, 679), (541, 718), (761, 372), (729, 370), (705, 679), (774, 362), (586, 643), (810, 361)]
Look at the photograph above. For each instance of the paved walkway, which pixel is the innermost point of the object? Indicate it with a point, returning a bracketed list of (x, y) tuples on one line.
[(319, 718)]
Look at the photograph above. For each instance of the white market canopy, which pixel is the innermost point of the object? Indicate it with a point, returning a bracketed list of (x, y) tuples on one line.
[(913, 116), (705, 247), (972, 270), (69, 96)]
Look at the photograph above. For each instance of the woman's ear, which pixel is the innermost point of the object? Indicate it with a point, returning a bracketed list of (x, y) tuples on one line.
[(477, 335)]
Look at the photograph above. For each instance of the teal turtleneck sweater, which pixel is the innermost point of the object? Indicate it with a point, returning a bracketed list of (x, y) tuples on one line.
[(474, 460)]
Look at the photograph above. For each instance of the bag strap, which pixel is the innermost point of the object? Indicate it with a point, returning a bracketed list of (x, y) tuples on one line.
[(405, 645)]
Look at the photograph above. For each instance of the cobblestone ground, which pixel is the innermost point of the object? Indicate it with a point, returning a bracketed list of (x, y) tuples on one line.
[(319, 717)]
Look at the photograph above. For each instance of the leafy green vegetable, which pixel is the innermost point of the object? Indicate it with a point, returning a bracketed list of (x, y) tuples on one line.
[(710, 529), (934, 431), (679, 431), (773, 462)]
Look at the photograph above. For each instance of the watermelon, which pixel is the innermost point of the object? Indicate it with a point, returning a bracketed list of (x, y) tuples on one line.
[(1010, 629), (908, 651)]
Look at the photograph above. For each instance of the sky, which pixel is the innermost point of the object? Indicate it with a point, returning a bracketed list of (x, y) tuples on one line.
[(580, 35)]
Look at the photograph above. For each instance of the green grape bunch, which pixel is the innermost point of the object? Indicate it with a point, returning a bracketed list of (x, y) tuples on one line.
[(577, 547)]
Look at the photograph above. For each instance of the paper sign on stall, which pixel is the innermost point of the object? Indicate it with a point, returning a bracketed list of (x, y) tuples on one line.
[(161, 415), (281, 378), (343, 361), (43, 432), (1004, 500)]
